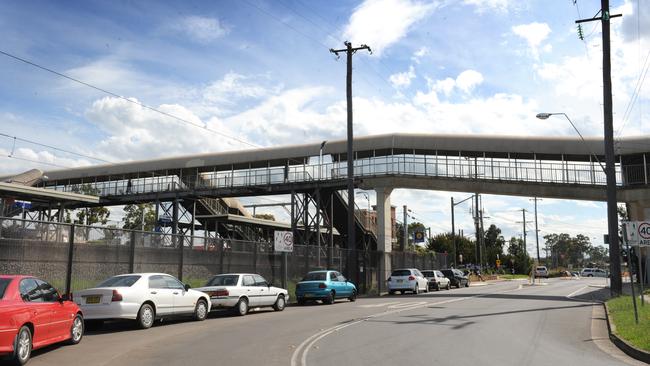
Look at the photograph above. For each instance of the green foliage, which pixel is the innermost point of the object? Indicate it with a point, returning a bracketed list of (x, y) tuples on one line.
[(443, 243), (265, 216), (89, 215), (517, 257), (133, 217), (569, 251), (494, 243)]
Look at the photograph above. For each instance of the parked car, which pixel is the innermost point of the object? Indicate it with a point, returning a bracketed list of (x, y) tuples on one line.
[(143, 297), (407, 279), (326, 286), (593, 272), (33, 315), (437, 280), (457, 277), (243, 291), (541, 271)]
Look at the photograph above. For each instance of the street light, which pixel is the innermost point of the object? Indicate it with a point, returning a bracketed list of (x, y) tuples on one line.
[(547, 115), (453, 228), (610, 174)]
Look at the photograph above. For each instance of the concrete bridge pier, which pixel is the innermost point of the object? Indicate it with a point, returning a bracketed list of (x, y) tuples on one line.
[(640, 211), (384, 231)]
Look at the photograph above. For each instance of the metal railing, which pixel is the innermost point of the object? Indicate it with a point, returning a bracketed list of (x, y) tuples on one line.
[(513, 170)]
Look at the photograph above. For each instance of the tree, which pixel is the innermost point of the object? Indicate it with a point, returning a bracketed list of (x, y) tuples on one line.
[(518, 257), (494, 243), (265, 216), (88, 215), (568, 251), (133, 217), (443, 243)]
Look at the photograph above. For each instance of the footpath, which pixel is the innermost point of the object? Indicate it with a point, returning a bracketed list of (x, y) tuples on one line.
[(622, 344)]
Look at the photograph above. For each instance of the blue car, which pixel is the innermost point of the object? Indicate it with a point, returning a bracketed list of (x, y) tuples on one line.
[(326, 286)]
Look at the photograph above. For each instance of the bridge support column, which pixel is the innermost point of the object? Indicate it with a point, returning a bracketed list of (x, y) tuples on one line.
[(384, 235), (640, 211)]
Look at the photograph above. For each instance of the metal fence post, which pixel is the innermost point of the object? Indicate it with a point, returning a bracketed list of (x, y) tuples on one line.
[(68, 274), (180, 257), (132, 253)]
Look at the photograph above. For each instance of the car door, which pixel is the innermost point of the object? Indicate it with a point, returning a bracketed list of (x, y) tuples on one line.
[(346, 289), (183, 301), (422, 281), (266, 294), (40, 312), (161, 295), (251, 291), (61, 319)]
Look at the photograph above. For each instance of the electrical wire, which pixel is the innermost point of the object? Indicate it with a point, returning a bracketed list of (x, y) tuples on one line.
[(35, 161), (105, 91), (15, 138)]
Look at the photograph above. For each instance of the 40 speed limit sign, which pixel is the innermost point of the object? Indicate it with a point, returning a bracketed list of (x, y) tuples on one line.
[(283, 241), (637, 232)]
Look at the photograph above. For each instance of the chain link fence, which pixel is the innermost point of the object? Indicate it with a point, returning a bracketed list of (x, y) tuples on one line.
[(75, 257)]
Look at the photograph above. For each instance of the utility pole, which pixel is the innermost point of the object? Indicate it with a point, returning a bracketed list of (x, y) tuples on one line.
[(523, 213), (405, 235), (453, 231), (537, 230), (616, 286), (478, 230), (352, 245)]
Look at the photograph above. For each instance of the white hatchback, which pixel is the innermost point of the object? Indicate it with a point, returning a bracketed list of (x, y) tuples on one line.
[(244, 291), (407, 279), (143, 297)]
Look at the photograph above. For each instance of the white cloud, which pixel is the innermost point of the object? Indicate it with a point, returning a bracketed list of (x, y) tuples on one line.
[(487, 5), (417, 55), (534, 33), (381, 23), (403, 79), (201, 29), (468, 80)]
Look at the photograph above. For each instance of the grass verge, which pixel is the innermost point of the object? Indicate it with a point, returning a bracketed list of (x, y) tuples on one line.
[(621, 311), (513, 277)]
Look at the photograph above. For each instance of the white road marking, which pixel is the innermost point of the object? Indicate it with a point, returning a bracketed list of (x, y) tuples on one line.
[(408, 305), (378, 305), (308, 343), (576, 292)]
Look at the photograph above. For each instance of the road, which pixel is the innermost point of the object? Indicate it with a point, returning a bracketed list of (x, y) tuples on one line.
[(503, 323)]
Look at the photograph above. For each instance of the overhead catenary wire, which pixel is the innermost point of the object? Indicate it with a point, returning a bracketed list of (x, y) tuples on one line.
[(113, 94), (35, 161), (16, 138)]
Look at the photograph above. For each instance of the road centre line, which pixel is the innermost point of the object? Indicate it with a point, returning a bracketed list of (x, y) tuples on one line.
[(308, 343), (379, 305)]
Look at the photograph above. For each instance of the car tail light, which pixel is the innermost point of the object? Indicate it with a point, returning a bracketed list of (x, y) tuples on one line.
[(322, 285), (411, 278), (116, 296)]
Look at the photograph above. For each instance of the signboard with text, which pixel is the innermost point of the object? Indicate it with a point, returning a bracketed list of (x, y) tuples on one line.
[(637, 232), (283, 241)]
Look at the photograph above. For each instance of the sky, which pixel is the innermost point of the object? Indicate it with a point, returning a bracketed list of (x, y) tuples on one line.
[(260, 72)]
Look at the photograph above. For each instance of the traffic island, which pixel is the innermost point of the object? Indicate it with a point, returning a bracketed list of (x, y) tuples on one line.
[(631, 338)]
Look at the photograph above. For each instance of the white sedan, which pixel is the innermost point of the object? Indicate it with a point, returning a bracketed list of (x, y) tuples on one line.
[(407, 279), (143, 297), (244, 291)]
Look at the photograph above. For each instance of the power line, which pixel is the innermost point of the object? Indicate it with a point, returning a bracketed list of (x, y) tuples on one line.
[(35, 161), (105, 91), (16, 138)]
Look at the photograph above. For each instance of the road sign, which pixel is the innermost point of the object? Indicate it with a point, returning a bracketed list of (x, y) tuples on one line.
[(637, 233), (498, 262), (283, 241), (419, 237)]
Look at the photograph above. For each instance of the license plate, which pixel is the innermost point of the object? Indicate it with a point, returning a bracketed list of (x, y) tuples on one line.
[(309, 295), (93, 299), (399, 281)]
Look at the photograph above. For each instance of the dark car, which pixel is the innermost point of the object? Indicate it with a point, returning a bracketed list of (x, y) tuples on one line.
[(457, 278)]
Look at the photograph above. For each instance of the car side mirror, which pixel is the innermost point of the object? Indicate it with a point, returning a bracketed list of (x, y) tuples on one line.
[(187, 287), (269, 284), (64, 297)]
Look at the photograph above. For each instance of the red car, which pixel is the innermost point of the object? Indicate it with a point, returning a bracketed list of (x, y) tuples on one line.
[(33, 315)]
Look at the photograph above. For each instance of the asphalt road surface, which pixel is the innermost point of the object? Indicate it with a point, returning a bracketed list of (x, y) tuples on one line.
[(503, 323)]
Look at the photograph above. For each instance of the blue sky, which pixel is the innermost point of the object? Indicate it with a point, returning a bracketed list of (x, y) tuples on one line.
[(261, 71)]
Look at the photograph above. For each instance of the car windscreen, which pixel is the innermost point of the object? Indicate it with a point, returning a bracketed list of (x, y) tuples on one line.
[(223, 280), (447, 272), (4, 283), (427, 273), (120, 281), (541, 268), (401, 272), (315, 276)]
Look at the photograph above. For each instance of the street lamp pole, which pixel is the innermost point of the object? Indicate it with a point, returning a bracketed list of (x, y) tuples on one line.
[(453, 227), (320, 159)]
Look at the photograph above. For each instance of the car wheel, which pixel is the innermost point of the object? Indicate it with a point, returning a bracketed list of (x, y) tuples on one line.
[(301, 301), (201, 310), (279, 303), (590, 275), (329, 299), (437, 286), (467, 284), (391, 292), (459, 284), (448, 286), (146, 316), (353, 297), (76, 330), (22, 346), (426, 288), (242, 307), (416, 289)]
